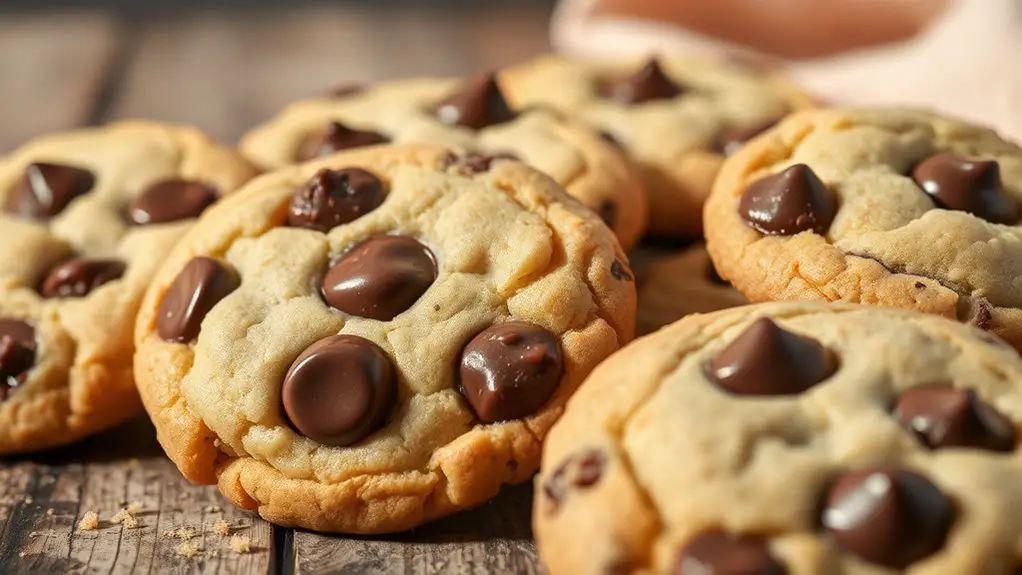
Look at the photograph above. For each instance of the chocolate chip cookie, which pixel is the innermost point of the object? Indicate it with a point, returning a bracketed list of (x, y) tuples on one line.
[(790, 438), (670, 287), (678, 118), (86, 217), (375, 339), (468, 116), (893, 207)]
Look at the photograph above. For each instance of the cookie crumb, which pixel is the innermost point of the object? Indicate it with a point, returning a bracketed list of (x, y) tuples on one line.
[(34, 534), (181, 533), (221, 528), (241, 543), (21, 554), (188, 549), (126, 518), (89, 522), (213, 509), (134, 507), (50, 512), (28, 500)]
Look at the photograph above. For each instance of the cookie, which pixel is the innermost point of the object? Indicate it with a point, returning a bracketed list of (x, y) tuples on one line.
[(470, 116), (890, 207), (86, 217), (379, 338), (790, 438), (678, 118), (670, 287)]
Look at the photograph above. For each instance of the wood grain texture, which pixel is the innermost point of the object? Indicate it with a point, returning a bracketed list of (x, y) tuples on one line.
[(43, 499), (51, 70), (495, 538), (227, 72)]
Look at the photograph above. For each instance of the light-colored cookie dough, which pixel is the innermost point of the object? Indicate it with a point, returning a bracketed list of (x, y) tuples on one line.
[(670, 287), (679, 141), (591, 168), (69, 196), (870, 233), (767, 439), (509, 246)]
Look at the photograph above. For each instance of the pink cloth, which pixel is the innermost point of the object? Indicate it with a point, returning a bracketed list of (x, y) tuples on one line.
[(967, 62)]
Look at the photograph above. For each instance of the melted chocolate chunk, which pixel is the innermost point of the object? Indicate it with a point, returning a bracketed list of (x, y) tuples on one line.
[(340, 390), (171, 201), (948, 417), (17, 354), (620, 271), (648, 84), (46, 189), (200, 286), (768, 360), (380, 277), (78, 277), (510, 370), (973, 186), (475, 162), (787, 203), (476, 105), (581, 470), (719, 553), (335, 197), (336, 137), (891, 518)]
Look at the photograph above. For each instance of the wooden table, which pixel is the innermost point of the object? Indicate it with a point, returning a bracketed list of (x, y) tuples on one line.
[(225, 72)]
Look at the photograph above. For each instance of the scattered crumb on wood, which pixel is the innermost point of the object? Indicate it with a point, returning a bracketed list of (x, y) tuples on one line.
[(181, 533), (126, 518), (188, 549), (28, 500), (221, 528), (241, 543), (89, 522), (21, 554), (34, 534), (50, 511), (213, 509)]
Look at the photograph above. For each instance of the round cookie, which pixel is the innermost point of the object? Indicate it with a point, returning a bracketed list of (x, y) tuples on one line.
[(86, 217), (467, 116), (901, 208), (678, 118), (674, 286), (790, 438), (372, 340)]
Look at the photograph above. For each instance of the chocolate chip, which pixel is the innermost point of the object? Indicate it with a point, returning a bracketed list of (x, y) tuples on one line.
[(949, 417), (787, 203), (476, 105), (171, 201), (768, 360), (510, 370), (648, 84), (719, 553), (340, 390), (581, 470), (608, 213), (620, 271), (336, 137), (17, 354), (199, 286), (973, 186), (732, 140), (713, 276), (334, 197), (475, 162), (887, 517), (46, 189), (380, 277), (78, 277)]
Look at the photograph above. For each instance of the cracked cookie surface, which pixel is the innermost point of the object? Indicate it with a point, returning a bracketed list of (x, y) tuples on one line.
[(790, 437), (460, 307), (85, 219), (678, 118), (670, 287), (469, 116), (900, 208)]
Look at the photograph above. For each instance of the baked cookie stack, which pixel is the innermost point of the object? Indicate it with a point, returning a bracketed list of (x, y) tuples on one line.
[(427, 293)]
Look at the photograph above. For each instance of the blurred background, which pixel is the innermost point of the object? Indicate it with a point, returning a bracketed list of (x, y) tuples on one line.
[(226, 65)]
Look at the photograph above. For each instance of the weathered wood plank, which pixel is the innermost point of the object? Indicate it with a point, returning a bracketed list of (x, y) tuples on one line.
[(495, 538), (51, 69), (43, 499), (225, 73)]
